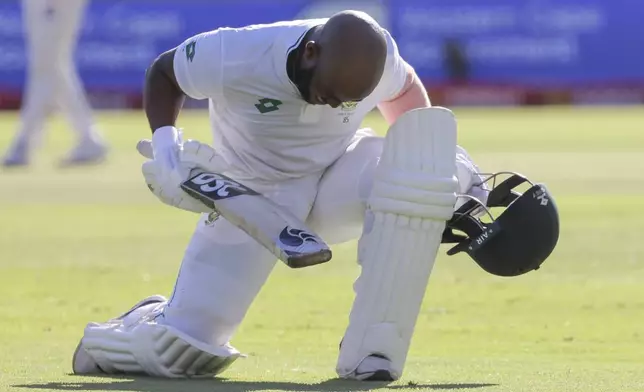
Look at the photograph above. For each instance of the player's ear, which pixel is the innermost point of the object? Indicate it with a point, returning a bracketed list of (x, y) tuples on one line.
[(311, 52)]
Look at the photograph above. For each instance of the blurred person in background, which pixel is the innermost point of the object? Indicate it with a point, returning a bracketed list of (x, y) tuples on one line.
[(51, 34), (456, 62)]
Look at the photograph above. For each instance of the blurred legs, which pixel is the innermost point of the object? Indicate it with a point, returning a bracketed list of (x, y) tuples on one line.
[(51, 31)]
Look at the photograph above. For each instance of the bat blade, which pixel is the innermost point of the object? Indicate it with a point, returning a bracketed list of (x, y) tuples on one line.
[(277, 229)]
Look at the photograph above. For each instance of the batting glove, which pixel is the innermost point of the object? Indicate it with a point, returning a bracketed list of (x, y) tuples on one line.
[(470, 181), (171, 162)]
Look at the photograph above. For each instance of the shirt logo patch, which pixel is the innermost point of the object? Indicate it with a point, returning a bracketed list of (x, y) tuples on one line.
[(349, 106), (346, 109), (267, 105)]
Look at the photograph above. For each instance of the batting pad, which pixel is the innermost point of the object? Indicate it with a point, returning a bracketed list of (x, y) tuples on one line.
[(413, 196), (153, 349)]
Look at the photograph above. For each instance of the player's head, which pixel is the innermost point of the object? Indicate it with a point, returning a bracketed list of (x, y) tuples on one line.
[(344, 62), (519, 240)]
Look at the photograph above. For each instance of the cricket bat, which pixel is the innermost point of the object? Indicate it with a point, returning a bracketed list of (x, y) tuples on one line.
[(276, 228)]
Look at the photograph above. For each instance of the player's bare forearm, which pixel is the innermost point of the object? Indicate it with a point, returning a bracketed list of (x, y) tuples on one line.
[(162, 96), (412, 96)]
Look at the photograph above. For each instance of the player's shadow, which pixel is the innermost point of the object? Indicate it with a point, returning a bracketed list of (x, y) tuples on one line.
[(144, 384)]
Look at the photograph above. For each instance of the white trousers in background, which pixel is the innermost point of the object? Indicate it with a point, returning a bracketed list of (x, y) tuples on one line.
[(53, 84)]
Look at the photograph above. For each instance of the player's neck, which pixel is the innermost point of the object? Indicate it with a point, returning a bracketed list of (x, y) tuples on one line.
[(299, 74), (295, 57)]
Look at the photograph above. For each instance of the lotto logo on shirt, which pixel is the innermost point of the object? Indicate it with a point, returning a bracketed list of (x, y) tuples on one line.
[(267, 105)]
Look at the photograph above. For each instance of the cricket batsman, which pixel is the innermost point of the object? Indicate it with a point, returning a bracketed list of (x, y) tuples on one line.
[(51, 33), (286, 101)]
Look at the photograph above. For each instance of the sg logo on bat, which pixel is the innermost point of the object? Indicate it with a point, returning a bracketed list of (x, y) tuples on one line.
[(217, 186)]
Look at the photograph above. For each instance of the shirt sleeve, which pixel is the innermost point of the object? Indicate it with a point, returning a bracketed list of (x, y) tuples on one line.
[(198, 65), (395, 74)]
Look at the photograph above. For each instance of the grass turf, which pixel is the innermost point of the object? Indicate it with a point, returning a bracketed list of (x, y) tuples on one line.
[(79, 245)]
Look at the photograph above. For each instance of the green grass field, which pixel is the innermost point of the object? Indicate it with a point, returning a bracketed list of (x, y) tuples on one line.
[(79, 245)]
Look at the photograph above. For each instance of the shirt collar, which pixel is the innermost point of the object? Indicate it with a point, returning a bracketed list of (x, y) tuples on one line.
[(288, 41)]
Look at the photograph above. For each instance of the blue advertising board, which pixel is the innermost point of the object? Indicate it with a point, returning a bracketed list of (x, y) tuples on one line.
[(119, 39), (526, 41), (514, 41)]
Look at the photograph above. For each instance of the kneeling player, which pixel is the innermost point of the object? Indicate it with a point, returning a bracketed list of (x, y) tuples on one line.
[(286, 101)]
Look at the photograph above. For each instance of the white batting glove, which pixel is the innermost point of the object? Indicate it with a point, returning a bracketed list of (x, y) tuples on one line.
[(170, 163), (201, 155), (166, 144), (470, 180)]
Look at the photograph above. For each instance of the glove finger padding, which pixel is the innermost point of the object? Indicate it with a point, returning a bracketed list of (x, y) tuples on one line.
[(166, 184), (149, 170), (195, 154), (144, 147), (193, 151), (151, 175), (470, 181), (153, 178), (169, 193)]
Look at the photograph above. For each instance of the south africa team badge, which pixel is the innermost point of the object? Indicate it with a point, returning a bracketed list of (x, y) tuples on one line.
[(346, 108)]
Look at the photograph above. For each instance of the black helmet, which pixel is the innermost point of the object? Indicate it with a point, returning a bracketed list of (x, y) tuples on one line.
[(519, 240)]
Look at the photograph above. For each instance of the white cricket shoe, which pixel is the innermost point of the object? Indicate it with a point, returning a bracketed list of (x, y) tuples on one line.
[(17, 155), (83, 363), (87, 152), (374, 368)]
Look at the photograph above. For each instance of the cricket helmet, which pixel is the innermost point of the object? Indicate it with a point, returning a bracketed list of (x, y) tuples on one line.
[(518, 240)]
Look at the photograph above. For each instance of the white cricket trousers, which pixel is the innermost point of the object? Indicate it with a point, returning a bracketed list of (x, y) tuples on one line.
[(223, 269), (53, 83)]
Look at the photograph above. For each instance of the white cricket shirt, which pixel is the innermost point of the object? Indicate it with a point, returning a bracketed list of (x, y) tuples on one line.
[(261, 125)]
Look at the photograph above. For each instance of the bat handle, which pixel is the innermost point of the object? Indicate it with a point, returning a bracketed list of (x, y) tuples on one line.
[(195, 172)]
